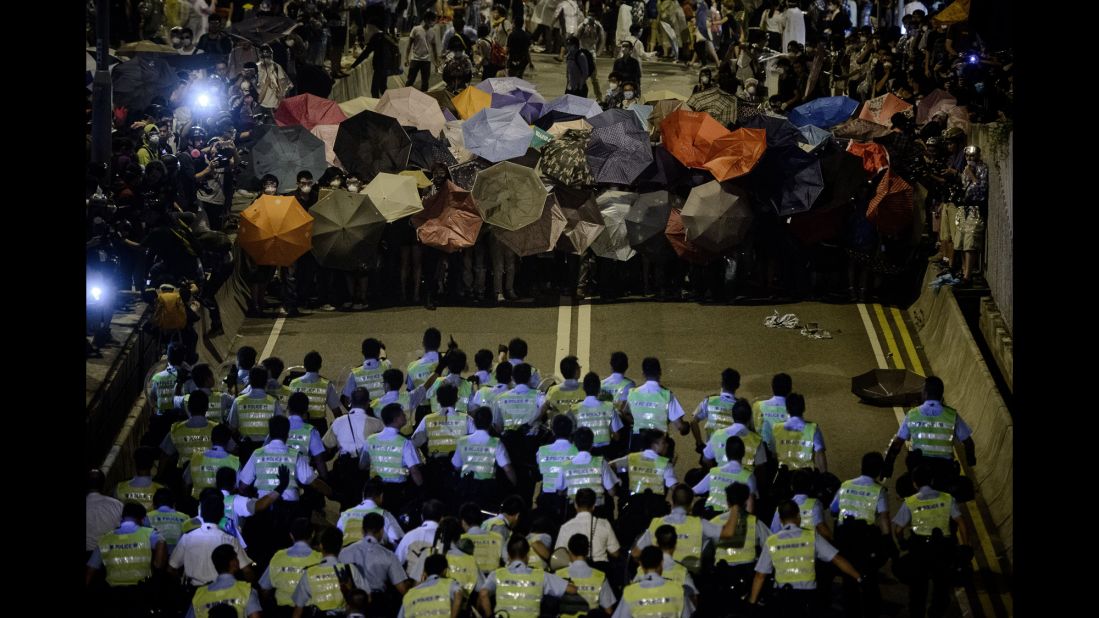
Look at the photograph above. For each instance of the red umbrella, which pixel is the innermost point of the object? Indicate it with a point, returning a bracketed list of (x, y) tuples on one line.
[(874, 156), (689, 135), (891, 207), (308, 111), (685, 249), (449, 221)]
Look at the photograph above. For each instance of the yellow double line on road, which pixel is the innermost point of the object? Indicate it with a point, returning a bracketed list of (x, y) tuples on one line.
[(913, 362)]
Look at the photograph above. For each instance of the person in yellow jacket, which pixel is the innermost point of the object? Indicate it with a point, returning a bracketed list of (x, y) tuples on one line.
[(517, 588), (287, 565), (191, 437), (369, 375), (693, 530), (435, 595), (652, 594), (322, 585), (226, 589), (770, 411)]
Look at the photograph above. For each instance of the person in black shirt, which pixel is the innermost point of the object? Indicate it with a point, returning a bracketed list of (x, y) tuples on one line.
[(518, 50), (216, 41)]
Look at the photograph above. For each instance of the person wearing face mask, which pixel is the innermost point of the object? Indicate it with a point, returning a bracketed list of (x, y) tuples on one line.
[(150, 145), (186, 45), (613, 96), (705, 81), (626, 66), (215, 41), (629, 95), (273, 84)]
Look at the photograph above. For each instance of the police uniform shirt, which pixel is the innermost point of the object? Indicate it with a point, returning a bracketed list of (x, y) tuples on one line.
[(535, 377), (552, 585), (302, 594), (675, 411), (622, 384), (410, 455), (304, 473), (481, 437), (733, 467), (622, 464), (316, 447), (934, 408), (234, 419), (455, 588), (299, 549), (557, 446), (652, 580), (418, 395), (710, 531), (379, 566), (168, 445), (483, 377), (194, 550), (138, 482), (824, 550), (419, 436), (765, 430), (395, 397), (738, 430), (579, 569), (242, 377), (593, 402), (215, 451), (610, 479), (424, 534), (498, 414), (605, 540), (864, 481), (478, 400), (350, 386), (226, 399), (688, 581), (904, 514), (350, 431), (227, 580), (799, 499), (128, 526), (393, 530), (331, 398), (173, 371), (428, 357), (796, 423), (701, 413)]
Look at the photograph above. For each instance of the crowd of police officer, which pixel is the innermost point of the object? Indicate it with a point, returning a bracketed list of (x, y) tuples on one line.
[(452, 489)]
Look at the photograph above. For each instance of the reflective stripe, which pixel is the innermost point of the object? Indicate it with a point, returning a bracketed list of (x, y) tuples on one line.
[(517, 409), (562, 401), (579, 476), (443, 431), (663, 601), (930, 514), (719, 413), (688, 535), (751, 447), (859, 501), (794, 449), (463, 568), (419, 371), (164, 385), (285, 572), (587, 587), (370, 379), (727, 551), (614, 388), (387, 457), (128, 557), (806, 509), (428, 600), (646, 473), (478, 459), (486, 549), (235, 596), (317, 392), (650, 410), (214, 411), (768, 414), (597, 419), (299, 439), (794, 557), (324, 586), (126, 492), (718, 482), (489, 395), (519, 594), (267, 468), (934, 435), (189, 440), (169, 525), (551, 463), (253, 414), (465, 389), (204, 471), (352, 520)]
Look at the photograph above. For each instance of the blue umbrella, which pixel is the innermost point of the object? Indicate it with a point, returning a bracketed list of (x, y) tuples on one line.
[(780, 131), (528, 104), (815, 137), (824, 112), (643, 112), (572, 104), (496, 134), (614, 116), (619, 153), (505, 85)]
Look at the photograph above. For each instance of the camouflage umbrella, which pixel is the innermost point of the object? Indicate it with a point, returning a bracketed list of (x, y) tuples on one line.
[(509, 196), (538, 237), (614, 242), (565, 159), (450, 220), (717, 216), (716, 102)]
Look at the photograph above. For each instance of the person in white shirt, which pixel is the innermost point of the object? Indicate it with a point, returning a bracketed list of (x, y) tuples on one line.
[(568, 13), (101, 513), (598, 531), (192, 554), (431, 512), (349, 432)]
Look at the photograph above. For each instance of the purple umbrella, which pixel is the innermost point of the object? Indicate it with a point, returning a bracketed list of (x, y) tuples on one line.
[(496, 134), (614, 116), (619, 153), (506, 84), (572, 104)]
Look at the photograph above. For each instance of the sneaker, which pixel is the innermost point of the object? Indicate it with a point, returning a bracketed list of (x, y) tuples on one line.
[(326, 307), (346, 306), (537, 49), (499, 298), (358, 307)]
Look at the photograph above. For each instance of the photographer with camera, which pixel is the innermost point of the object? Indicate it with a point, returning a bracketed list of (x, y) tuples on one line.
[(213, 163)]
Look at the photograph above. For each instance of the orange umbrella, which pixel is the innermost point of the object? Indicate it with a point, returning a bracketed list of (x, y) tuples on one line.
[(736, 154), (891, 207), (957, 12), (881, 109), (275, 230), (685, 249), (874, 156), (450, 220), (688, 135)]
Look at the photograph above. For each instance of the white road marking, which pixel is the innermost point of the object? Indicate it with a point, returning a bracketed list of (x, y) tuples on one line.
[(273, 337), (564, 335), (876, 345), (583, 337)]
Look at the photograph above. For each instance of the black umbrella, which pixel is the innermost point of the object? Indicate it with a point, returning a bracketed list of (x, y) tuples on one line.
[(780, 132), (428, 150), (465, 174), (648, 218), (529, 159), (844, 178), (136, 82), (545, 122), (787, 180), (614, 116), (889, 387), (248, 180), (664, 171), (263, 29), (569, 197), (285, 151), (618, 153), (312, 79), (369, 143)]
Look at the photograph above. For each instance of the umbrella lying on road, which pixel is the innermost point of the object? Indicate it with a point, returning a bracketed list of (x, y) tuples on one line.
[(717, 217), (412, 108), (538, 237), (558, 129), (308, 111), (445, 101), (275, 230), (394, 195), (889, 387), (509, 195), (358, 104), (496, 134), (572, 104), (347, 229), (450, 220), (285, 151), (614, 243), (369, 143), (614, 116), (465, 174), (470, 101)]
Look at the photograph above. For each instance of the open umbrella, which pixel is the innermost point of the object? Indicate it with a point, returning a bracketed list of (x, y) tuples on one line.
[(557, 129), (648, 218), (955, 12), (412, 108), (664, 95), (643, 113), (369, 143), (736, 153), (456, 141), (787, 179), (327, 134), (445, 101), (275, 230), (874, 156), (665, 171), (539, 138), (465, 174), (528, 104), (308, 111), (584, 225), (358, 104), (285, 151), (422, 181), (548, 119), (888, 387), (509, 196), (717, 217), (145, 47), (613, 243), (504, 85), (891, 207), (844, 178), (530, 159), (572, 104), (136, 82), (347, 229), (684, 248), (716, 102), (862, 130), (614, 116), (394, 195), (428, 150), (688, 135), (263, 29), (470, 101), (824, 112), (880, 109), (565, 159), (496, 134), (661, 109), (450, 220), (538, 237), (619, 153), (814, 138), (926, 107), (780, 132), (572, 197)]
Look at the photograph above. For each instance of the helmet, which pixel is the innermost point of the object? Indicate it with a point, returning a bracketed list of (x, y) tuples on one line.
[(176, 32), (953, 133), (933, 143), (972, 150), (196, 132)]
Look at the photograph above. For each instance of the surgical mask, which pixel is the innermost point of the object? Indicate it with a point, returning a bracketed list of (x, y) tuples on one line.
[(269, 189), (306, 189), (752, 90), (154, 139), (614, 85), (979, 87), (629, 94), (705, 80), (887, 64), (354, 188), (335, 184), (290, 42), (177, 43)]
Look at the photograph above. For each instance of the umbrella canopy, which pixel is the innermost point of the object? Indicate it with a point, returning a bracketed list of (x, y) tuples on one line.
[(565, 159), (814, 138), (528, 104), (509, 196), (584, 225), (613, 243), (643, 113), (736, 153), (787, 179), (880, 109), (824, 112), (465, 174), (422, 181), (445, 101), (874, 156), (428, 150), (327, 134), (145, 47), (456, 141), (530, 159), (857, 128), (664, 95), (844, 178), (926, 108), (370, 143), (614, 116), (661, 109), (889, 387), (450, 220), (955, 12), (505, 85), (648, 218), (263, 29), (780, 132), (538, 237), (412, 108), (558, 129), (664, 171), (275, 230), (716, 102), (891, 207), (470, 101), (570, 197), (496, 134), (572, 104), (548, 119), (136, 82), (285, 151), (394, 195), (308, 111), (540, 138), (684, 248), (619, 153), (717, 217), (347, 229), (688, 136), (358, 104)]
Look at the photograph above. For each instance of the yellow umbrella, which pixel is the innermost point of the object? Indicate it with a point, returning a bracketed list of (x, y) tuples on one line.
[(470, 101), (145, 47), (957, 12), (275, 230), (422, 181), (662, 95), (394, 195), (358, 104)]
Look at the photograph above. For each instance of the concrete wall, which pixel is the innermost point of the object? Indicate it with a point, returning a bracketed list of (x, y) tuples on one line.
[(996, 149)]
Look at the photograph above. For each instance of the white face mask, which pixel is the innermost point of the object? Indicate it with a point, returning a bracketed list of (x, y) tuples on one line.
[(306, 189), (752, 90), (154, 139), (629, 94), (614, 85), (269, 189), (335, 184), (354, 188)]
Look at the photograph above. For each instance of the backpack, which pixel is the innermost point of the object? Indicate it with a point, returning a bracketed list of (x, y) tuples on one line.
[(170, 313), (498, 55)]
